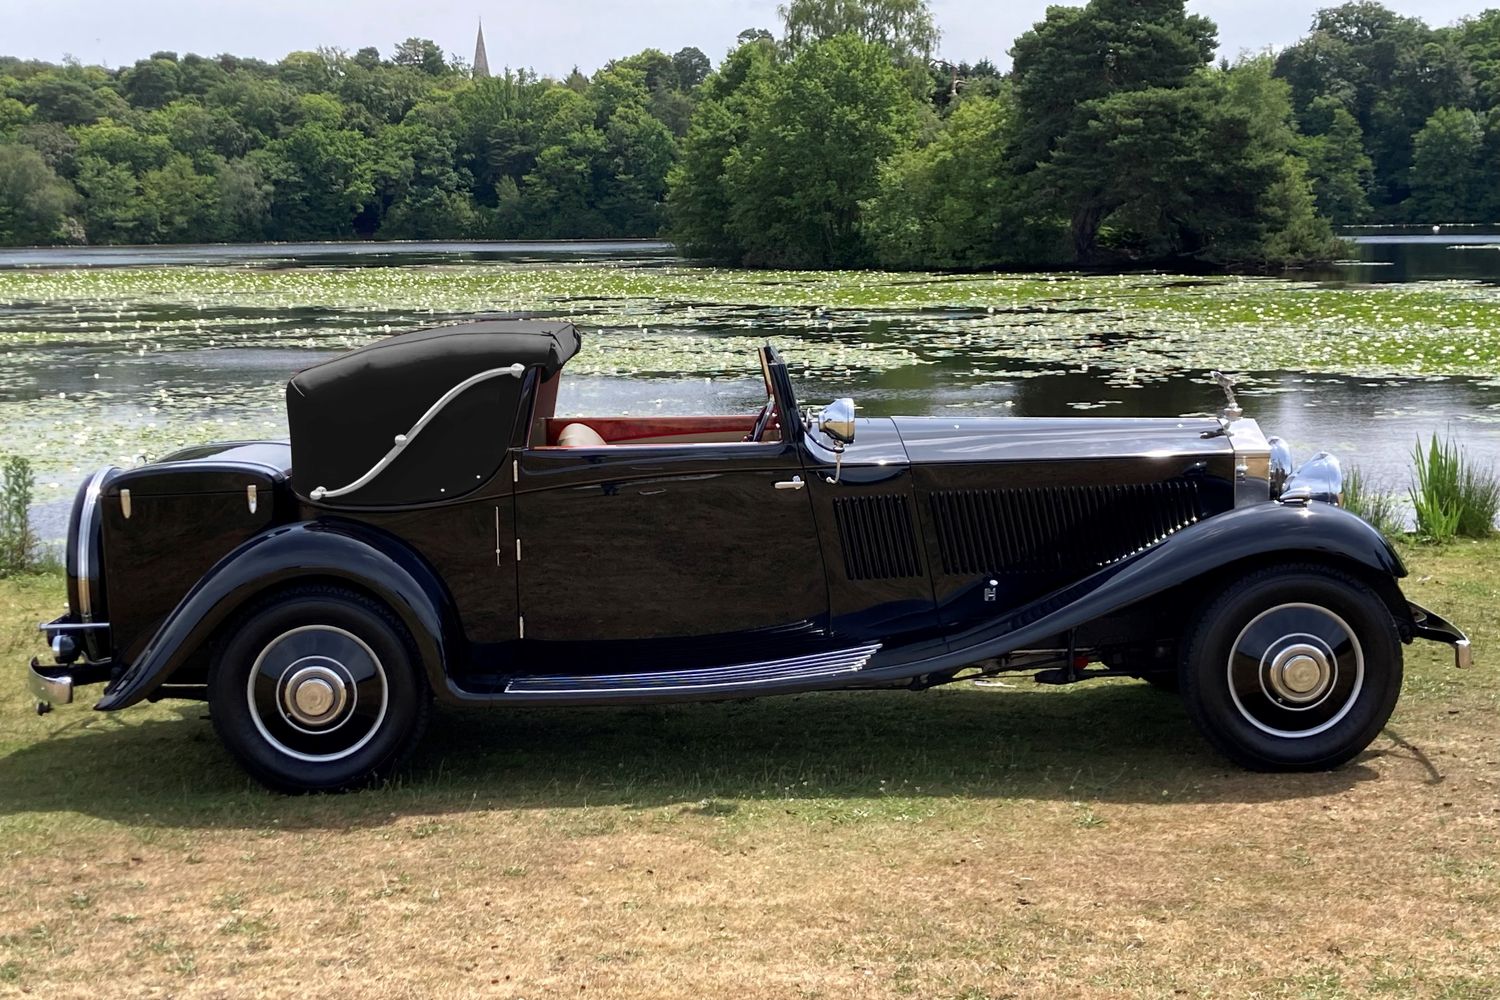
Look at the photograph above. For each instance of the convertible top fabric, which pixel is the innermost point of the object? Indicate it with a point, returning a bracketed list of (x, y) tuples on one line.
[(346, 413)]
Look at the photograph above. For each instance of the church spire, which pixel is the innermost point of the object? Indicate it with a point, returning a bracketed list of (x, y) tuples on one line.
[(481, 59)]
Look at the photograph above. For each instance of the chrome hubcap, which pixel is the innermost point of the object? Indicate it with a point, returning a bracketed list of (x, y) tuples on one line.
[(1295, 670), (317, 693), (1300, 673)]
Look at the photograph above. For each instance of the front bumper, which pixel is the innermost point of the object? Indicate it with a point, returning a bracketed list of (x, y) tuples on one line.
[(1427, 625)]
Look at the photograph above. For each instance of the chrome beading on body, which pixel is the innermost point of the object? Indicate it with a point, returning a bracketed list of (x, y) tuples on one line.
[(84, 540), (402, 440)]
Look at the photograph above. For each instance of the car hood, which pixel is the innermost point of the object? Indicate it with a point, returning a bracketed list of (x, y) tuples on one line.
[(1031, 439)]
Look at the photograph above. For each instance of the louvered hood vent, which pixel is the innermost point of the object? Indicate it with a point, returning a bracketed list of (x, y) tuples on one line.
[(877, 538), (1048, 529)]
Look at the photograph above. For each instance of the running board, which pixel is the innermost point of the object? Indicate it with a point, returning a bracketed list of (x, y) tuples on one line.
[(815, 666)]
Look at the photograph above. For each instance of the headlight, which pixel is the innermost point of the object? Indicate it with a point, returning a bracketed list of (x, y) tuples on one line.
[(1319, 478)]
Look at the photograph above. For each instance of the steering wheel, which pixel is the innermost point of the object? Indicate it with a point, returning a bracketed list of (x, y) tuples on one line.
[(763, 420)]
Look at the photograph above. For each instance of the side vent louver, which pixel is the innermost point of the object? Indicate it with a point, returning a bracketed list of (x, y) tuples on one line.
[(1038, 530), (877, 538)]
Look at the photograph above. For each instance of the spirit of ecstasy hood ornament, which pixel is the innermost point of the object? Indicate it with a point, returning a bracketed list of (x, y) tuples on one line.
[(1231, 411)]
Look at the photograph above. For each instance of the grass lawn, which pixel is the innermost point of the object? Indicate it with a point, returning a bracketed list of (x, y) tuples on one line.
[(963, 843)]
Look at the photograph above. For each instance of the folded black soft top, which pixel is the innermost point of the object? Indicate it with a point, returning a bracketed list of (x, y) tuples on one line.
[(447, 390)]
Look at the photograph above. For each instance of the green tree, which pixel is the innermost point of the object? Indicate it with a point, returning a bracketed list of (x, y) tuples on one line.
[(34, 202), (1083, 54), (1478, 39), (243, 196), (323, 178), (422, 54), (905, 27), (68, 99), (692, 67), (1073, 75), (1337, 165), (699, 196), (116, 143), (113, 211), (180, 203), (1390, 72), (956, 203), (558, 192), (13, 115), (818, 131), (152, 83), (1204, 170), (1448, 179), (428, 196)]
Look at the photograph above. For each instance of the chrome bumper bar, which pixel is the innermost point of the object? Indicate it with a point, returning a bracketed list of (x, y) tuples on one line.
[(1427, 625), (53, 683)]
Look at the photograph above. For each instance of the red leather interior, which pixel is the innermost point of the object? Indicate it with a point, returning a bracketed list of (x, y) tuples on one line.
[(624, 430)]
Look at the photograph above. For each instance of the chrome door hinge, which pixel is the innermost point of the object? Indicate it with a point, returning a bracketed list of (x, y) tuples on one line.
[(521, 623), (515, 471), (125, 503), (251, 498), (518, 550)]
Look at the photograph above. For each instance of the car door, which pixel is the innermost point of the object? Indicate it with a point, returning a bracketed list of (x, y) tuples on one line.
[(666, 557)]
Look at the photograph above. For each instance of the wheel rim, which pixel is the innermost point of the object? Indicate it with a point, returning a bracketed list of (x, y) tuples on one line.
[(317, 693), (1296, 670)]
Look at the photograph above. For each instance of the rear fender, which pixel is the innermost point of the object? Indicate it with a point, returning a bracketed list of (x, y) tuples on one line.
[(331, 550)]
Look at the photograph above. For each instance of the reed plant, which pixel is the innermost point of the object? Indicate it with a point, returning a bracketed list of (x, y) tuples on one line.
[(1374, 502), (18, 548), (1452, 497)]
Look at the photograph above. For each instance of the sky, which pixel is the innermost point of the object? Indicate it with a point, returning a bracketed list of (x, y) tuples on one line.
[(552, 36)]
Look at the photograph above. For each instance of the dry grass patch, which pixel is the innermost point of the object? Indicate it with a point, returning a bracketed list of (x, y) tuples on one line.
[(964, 843)]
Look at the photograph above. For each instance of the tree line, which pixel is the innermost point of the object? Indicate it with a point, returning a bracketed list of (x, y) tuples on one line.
[(840, 142)]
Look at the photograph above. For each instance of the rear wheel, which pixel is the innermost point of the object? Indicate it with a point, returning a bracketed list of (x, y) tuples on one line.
[(1294, 668), (317, 690)]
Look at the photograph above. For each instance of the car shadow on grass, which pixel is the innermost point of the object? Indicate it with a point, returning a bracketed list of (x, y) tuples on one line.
[(1119, 742)]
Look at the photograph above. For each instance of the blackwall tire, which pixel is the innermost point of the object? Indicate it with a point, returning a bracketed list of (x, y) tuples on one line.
[(318, 690), (1296, 668)]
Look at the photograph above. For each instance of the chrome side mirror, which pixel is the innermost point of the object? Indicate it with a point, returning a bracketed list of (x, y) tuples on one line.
[(837, 420)]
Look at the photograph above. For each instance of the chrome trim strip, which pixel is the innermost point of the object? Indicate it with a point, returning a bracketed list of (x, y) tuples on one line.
[(402, 440), (69, 626), (812, 666), (85, 532)]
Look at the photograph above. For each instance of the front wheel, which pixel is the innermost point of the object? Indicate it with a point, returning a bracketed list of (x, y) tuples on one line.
[(1295, 668), (317, 691)]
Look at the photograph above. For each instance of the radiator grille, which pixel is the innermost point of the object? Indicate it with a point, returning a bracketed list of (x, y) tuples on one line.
[(1046, 529), (877, 539)]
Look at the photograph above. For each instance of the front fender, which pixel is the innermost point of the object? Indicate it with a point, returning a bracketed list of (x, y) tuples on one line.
[(1288, 533), (326, 550)]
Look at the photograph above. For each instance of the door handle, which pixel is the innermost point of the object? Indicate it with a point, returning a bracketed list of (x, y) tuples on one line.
[(795, 483)]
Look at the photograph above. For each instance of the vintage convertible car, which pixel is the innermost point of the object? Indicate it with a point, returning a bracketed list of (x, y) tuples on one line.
[(434, 529)]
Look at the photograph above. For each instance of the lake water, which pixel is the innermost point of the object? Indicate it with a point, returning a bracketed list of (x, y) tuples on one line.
[(114, 353)]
